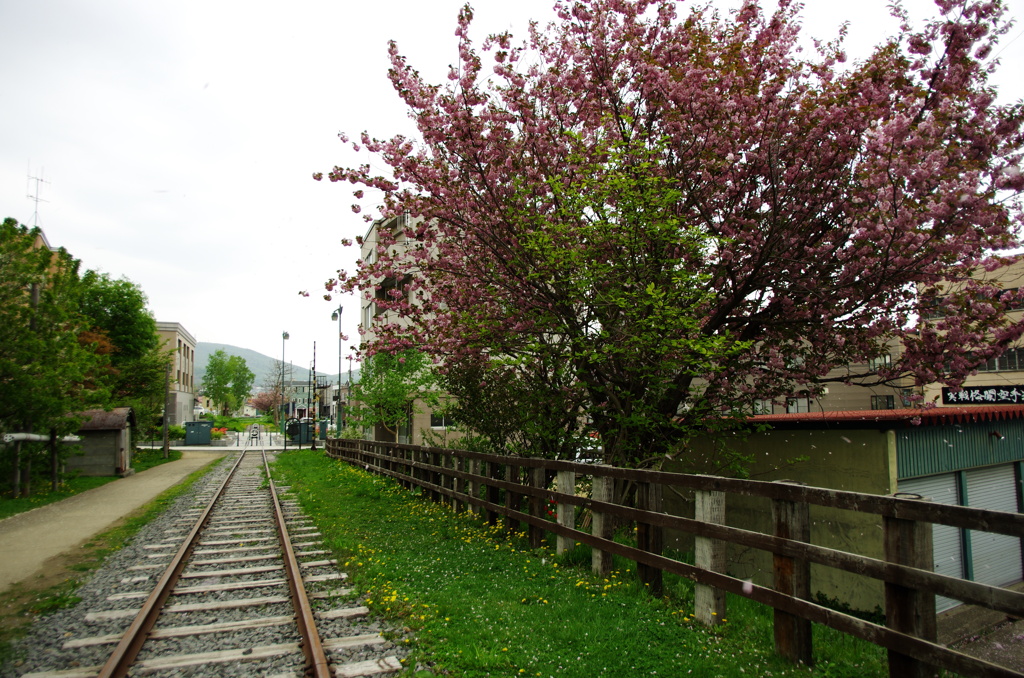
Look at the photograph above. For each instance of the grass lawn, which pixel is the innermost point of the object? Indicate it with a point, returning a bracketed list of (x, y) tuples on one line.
[(481, 604), (42, 495), (240, 424)]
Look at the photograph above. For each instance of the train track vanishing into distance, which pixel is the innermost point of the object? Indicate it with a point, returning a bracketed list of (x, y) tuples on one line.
[(235, 584)]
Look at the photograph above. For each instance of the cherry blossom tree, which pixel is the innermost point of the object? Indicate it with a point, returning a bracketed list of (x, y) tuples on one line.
[(266, 401), (695, 212)]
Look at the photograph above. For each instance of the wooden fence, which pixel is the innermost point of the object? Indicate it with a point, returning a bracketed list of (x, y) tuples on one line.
[(518, 490)]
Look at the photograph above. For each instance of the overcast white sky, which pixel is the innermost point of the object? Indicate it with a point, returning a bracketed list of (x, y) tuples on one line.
[(178, 140)]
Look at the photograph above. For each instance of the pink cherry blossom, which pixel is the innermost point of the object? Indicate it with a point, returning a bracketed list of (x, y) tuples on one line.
[(659, 219)]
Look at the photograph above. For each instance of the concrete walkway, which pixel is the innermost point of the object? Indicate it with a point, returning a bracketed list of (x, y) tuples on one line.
[(30, 539)]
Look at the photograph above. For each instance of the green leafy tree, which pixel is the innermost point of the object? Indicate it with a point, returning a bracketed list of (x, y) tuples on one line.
[(508, 406), (388, 387), (228, 380), (49, 367), (124, 329)]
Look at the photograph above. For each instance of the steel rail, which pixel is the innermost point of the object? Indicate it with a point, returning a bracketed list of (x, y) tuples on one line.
[(316, 658), (131, 642)]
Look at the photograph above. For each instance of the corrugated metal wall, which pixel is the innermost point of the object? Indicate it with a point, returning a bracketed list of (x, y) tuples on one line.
[(927, 450)]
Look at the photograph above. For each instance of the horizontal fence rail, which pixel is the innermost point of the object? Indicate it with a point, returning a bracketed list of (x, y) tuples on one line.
[(518, 490)]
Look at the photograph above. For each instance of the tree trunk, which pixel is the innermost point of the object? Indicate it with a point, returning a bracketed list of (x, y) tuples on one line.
[(26, 489), (16, 475), (54, 461)]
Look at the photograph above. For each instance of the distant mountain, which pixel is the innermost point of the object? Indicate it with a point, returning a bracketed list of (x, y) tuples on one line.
[(261, 365)]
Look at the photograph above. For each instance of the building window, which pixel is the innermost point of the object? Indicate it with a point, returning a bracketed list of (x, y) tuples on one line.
[(1011, 361), (882, 361), (764, 407), (798, 405), (393, 289), (441, 420), (886, 402), (931, 310)]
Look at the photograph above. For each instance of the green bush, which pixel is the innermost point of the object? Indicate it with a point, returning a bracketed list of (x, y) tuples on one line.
[(240, 424), (175, 432)]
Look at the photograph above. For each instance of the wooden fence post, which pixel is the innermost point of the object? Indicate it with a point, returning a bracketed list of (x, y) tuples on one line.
[(434, 477), (414, 473), (513, 500), (446, 480), (910, 611), (408, 457), (473, 486), (566, 513), (493, 492), (425, 474), (709, 602), (458, 485), (536, 475), (792, 577), (650, 538), (600, 525)]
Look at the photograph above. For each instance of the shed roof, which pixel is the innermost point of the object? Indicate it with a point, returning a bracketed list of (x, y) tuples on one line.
[(104, 420), (934, 416)]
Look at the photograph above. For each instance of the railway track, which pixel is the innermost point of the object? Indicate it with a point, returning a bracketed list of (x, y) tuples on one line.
[(236, 585)]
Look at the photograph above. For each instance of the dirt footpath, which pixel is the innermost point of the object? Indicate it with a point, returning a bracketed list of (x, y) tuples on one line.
[(34, 541)]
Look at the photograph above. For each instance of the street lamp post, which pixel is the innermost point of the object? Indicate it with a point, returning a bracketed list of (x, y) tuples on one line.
[(337, 316), (281, 410)]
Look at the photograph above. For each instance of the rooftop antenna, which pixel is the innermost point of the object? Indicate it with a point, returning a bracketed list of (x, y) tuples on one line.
[(35, 196)]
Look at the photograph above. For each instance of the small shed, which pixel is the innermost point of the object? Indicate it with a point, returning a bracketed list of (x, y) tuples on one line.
[(106, 447)]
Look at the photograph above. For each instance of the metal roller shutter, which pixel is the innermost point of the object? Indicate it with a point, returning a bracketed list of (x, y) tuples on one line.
[(996, 557), (946, 541)]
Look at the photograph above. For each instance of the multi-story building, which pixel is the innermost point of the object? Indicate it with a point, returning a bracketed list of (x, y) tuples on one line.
[(999, 381), (175, 338), (419, 418), (303, 398), (837, 395), (296, 398)]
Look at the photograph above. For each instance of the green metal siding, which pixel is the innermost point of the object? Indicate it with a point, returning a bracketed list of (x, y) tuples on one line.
[(927, 450)]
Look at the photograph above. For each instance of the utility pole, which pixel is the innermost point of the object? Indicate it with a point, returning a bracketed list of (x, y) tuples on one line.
[(313, 394), (283, 411), (337, 316)]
